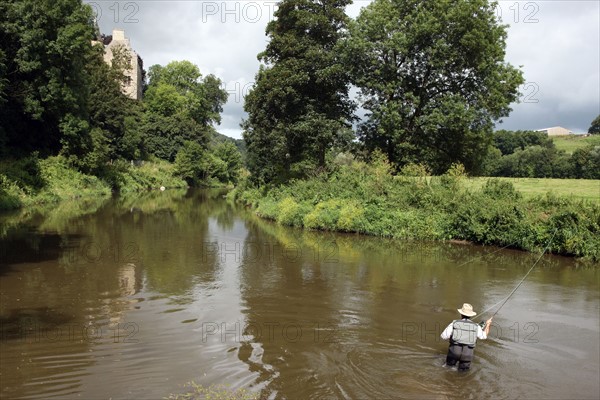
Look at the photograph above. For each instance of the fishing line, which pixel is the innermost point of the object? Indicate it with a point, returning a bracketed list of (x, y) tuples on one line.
[(486, 254), (503, 301)]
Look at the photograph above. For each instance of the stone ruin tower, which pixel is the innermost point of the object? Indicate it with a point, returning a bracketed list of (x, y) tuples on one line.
[(132, 87)]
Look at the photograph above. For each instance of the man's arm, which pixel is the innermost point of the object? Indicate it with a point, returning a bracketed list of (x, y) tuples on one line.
[(483, 333), (447, 333)]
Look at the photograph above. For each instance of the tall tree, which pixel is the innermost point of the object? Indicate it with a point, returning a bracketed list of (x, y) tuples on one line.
[(228, 152), (181, 107), (595, 126), (44, 45), (178, 87), (432, 78), (299, 107)]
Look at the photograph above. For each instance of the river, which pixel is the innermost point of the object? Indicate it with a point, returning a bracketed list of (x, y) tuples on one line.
[(135, 297)]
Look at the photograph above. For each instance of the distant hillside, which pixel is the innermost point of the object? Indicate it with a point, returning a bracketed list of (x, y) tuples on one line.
[(573, 142), (239, 143)]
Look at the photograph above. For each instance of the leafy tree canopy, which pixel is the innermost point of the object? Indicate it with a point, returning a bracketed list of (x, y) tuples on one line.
[(299, 107), (44, 46), (229, 153), (177, 87), (432, 78), (509, 141), (595, 126)]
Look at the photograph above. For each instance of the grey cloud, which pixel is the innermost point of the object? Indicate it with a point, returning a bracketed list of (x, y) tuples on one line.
[(560, 55)]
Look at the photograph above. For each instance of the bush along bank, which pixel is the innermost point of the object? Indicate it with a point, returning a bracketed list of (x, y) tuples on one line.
[(30, 181), (368, 199)]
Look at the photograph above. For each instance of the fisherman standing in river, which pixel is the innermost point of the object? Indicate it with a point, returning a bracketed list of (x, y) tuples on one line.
[(463, 334)]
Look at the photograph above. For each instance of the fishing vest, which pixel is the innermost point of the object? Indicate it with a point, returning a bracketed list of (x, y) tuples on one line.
[(464, 331)]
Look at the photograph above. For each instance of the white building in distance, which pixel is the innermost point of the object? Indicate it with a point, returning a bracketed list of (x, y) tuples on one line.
[(556, 131)]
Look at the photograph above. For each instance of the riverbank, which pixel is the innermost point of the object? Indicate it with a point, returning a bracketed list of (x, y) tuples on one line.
[(32, 181), (368, 199)]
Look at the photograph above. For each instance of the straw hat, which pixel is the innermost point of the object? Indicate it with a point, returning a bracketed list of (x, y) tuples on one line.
[(467, 310)]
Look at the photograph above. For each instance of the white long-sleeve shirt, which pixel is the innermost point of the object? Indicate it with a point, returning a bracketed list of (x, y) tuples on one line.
[(447, 333)]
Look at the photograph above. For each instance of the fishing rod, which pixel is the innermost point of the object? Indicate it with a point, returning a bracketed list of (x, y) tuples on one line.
[(503, 301)]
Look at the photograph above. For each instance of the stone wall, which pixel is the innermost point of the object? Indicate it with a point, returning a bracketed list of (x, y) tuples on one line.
[(133, 86)]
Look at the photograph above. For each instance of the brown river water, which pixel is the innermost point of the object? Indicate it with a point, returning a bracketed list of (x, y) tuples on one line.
[(134, 298)]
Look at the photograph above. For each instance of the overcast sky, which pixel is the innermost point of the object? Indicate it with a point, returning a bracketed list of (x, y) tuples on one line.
[(557, 43)]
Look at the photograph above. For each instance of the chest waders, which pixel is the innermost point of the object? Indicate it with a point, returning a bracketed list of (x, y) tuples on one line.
[(462, 344)]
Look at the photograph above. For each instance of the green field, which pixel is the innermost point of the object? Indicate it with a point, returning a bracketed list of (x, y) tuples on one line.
[(573, 142), (530, 187)]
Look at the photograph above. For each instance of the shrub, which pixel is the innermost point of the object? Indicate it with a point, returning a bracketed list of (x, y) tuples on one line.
[(149, 175), (415, 170), (291, 213), (324, 216), (453, 177), (268, 208), (500, 189), (10, 194), (352, 218), (577, 233), (480, 219), (65, 182), (586, 162), (189, 163), (25, 173)]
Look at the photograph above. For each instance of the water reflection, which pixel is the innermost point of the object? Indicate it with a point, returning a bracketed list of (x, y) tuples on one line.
[(370, 312), (153, 291)]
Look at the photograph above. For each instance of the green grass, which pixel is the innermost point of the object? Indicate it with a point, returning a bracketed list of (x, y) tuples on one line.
[(573, 142), (586, 189), (150, 175), (31, 181)]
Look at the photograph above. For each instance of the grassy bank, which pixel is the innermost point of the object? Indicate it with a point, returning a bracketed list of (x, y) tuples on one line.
[(573, 142), (574, 189), (32, 181), (368, 199)]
